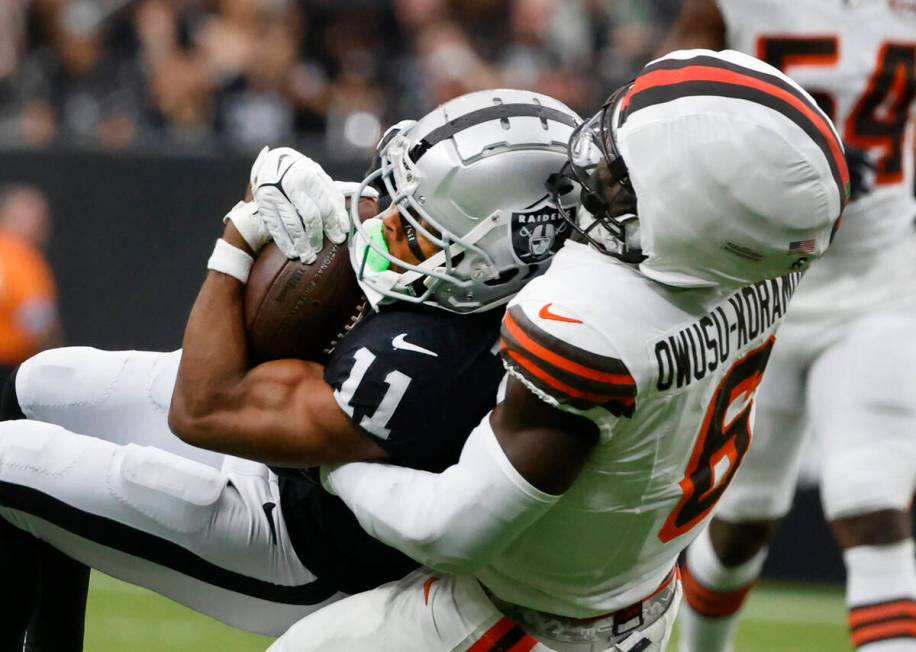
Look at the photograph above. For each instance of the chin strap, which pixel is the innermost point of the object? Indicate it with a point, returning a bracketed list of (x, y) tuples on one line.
[(614, 227), (410, 233)]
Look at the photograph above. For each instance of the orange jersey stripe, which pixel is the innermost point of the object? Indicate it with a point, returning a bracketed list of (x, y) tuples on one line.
[(561, 362), (559, 385), (897, 609), (492, 636), (427, 585), (694, 73), (675, 574), (883, 631), (710, 603)]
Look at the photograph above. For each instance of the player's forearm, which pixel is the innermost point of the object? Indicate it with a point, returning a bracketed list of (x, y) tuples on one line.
[(246, 432), (214, 359), (454, 521), (215, 356), (281, 413)]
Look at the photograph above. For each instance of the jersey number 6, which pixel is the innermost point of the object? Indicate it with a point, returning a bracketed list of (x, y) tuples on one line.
[(720, 446)]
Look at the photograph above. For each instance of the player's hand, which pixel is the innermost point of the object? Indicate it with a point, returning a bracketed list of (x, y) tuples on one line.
[(862, 171), (298, 202), (248, 223)]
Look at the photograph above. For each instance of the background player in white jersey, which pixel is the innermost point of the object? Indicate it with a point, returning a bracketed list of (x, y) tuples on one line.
[(633, 364), (845, 365), (254, 548)]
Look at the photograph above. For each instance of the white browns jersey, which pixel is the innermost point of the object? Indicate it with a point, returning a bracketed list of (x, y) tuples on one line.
[(858, 59), (668, 376)]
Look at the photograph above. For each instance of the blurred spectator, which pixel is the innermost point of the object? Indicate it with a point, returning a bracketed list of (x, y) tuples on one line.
[(213, 74), (28, 297), (12, 37), (178, 83), (77, 87)]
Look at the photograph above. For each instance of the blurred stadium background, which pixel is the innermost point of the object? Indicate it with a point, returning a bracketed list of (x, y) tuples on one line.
[(138, 119), (224, 76)]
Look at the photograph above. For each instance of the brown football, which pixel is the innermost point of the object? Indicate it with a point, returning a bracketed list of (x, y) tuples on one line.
[(293, 310)]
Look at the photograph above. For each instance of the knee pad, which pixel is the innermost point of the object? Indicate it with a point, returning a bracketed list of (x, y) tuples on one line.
[(31, 450), (172, 492), (67, 378), (119, 396), (863, 479)]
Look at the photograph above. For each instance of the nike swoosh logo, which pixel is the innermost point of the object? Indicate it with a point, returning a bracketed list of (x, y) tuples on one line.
[(546, 314), (400, 342), (268, 511)]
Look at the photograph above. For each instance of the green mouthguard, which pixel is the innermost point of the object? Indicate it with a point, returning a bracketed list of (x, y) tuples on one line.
[(374, 260)]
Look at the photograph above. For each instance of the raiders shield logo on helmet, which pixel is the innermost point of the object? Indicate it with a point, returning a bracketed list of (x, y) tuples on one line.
[(539, 232)]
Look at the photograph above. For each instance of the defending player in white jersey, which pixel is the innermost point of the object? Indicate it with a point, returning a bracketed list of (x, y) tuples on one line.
[(845, 365), (633, 364)]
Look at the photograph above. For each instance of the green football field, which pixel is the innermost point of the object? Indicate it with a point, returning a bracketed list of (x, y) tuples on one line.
[(780, 618)]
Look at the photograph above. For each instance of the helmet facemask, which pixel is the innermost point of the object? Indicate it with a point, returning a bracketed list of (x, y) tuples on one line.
[(607, 196), (399, 177)]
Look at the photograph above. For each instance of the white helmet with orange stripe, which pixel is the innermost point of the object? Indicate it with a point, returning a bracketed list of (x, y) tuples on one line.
[(733, 173)]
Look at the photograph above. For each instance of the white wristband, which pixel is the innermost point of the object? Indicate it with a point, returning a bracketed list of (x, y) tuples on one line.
[(230, 260)]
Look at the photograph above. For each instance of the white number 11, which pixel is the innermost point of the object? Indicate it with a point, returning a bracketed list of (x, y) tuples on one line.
[(377, 422)]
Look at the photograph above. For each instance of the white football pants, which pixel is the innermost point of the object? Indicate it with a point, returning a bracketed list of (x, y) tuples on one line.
[(161, 517), (119, 396), (428, 612)]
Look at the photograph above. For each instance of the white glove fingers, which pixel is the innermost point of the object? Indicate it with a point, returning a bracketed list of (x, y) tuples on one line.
[(256, 166), (333, 209), (310, 217), (331, 204), (270, 201), (299, 202), (337, 223), (335, 219), (303, 227)]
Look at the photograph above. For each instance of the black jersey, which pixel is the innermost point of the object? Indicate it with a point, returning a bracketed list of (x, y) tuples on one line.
[(417, 380)]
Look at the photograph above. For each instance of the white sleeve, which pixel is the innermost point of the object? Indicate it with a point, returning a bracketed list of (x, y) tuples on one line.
[(454, 521)]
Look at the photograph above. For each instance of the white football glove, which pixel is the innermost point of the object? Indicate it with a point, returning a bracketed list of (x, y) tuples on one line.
[(298, 202)]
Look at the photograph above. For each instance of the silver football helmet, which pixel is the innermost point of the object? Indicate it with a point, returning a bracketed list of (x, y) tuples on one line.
[(470, 178)]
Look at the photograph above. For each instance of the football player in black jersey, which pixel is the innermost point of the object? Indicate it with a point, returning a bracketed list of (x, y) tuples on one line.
[(469, 222)]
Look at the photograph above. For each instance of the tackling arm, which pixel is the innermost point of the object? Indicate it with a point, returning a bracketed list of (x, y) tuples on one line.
[(699, 25), (280, 412), (513, 468)]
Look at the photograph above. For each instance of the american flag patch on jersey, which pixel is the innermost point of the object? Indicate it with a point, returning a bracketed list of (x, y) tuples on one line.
[(803, 247)]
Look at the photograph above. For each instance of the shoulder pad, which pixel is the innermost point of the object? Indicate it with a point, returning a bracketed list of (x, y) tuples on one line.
[(568, 373)]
